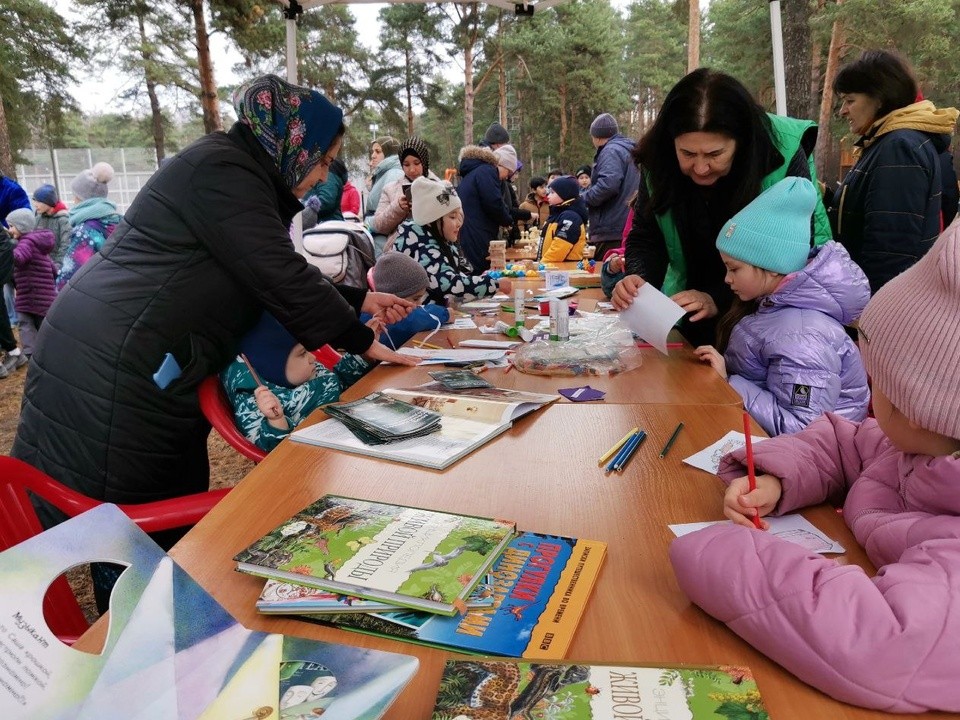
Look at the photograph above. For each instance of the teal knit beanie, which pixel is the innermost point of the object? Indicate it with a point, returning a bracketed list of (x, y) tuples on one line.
[(773, 232)]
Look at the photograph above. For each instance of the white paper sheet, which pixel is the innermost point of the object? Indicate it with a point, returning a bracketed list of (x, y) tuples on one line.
[(652, 315), (792, 528), (438, 357), (709, 458), (489, 344), (460, 323)]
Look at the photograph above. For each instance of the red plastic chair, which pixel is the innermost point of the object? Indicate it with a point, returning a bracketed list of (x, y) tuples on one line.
[(216, 407), (19, 522)]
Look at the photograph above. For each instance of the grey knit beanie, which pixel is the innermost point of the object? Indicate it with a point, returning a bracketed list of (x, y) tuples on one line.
[(399, 274), (92, 182), (604, 126), (23, 219)]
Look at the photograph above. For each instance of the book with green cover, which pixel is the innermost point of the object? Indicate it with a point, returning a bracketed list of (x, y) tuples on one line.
[(410, 557), (561, 691), (541, 584), (377, 418)]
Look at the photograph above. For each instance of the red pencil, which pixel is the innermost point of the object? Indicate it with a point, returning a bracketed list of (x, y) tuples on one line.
[(751, 477), (449, 341)]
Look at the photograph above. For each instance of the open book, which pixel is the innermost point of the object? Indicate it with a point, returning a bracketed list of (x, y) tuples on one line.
[(469, 418)]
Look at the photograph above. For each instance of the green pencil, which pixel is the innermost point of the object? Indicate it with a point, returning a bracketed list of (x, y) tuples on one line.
[(666, 448)]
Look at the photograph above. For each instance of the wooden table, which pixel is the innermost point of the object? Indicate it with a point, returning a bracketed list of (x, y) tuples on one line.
[(677, 378), (543, 473)]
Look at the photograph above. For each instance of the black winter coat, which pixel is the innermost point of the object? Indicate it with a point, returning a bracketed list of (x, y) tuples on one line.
[(887, 211), (203, 249), (484, 211)]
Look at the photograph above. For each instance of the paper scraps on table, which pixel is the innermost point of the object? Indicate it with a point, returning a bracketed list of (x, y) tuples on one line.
[(460, 323), (709, 458), (582, 394), (792, 528), (489, 344), (652, 315)]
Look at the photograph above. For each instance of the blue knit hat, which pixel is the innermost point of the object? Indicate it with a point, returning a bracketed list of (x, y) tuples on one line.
[(566, 187), (47, 194), (773, 232), (267, 347)]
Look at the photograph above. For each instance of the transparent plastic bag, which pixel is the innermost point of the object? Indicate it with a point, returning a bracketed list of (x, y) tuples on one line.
[(603, 349)]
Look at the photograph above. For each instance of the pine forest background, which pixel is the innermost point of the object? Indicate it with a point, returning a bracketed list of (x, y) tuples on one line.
[(543, 77)]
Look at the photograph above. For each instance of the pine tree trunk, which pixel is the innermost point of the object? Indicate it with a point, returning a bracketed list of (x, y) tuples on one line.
[(824, 139), (6, 154), (693, 36), (797, 54), (468, 94), (155, 113), (562, 94), (409, 89), (209, 101)]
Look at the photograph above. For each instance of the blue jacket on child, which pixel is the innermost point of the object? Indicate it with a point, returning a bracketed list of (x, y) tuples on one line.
[(792, 360), (420, 319)]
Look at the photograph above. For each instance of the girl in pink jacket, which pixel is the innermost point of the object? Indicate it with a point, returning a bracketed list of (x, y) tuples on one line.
[(891, 641)]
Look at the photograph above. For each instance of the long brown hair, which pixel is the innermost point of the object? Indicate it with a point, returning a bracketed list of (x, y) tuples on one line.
[(737, 312)]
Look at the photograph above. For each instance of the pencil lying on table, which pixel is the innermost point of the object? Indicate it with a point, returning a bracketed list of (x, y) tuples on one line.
[(666, 448), (616, 448), (626, 452)]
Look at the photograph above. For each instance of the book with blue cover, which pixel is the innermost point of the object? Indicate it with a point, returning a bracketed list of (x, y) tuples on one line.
[(541, 585)]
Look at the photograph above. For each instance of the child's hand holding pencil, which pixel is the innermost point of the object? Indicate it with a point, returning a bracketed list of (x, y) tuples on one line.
[(742, 505)]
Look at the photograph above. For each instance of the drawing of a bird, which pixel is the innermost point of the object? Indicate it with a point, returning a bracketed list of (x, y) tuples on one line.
[(438, 560)]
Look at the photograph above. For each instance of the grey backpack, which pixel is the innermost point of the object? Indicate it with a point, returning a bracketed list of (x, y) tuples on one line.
[(342, 249)]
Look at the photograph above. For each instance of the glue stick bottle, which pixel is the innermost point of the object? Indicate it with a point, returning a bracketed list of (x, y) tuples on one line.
[(563, 320), (554, 318), (519, 310)]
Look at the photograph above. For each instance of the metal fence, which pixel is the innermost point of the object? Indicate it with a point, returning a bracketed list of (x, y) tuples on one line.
[(131, 167)]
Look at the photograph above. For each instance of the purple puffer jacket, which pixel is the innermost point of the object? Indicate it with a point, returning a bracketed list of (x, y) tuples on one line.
[(891, 642), (33, 272), (792, 361)]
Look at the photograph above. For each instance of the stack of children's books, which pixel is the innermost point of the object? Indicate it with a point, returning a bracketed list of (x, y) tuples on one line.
[(447, 580)]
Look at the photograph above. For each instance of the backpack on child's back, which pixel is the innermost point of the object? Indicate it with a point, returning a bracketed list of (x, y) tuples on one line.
[(341, 249)]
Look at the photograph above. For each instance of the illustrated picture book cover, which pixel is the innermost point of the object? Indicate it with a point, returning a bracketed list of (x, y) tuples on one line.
[(541, 584), (171, 652), (508, 689), (410, 557)]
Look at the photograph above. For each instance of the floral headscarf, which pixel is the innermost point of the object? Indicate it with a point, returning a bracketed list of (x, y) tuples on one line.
[(294, 124)]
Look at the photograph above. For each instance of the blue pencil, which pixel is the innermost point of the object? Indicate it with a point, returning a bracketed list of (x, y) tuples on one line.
[(632, 442), (629, 451)]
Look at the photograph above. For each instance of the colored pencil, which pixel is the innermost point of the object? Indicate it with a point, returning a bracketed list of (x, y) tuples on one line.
[(449, 341), (256, 378), (751, 476), (666, 448), (422, 344), (616, 448), (628, 450)]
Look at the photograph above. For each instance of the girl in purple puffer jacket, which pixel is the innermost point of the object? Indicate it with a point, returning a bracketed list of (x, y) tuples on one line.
[(889, 641), (788, 354)]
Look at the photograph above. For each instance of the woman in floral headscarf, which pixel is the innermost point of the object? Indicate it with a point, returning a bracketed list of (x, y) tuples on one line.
[(110, 406)]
